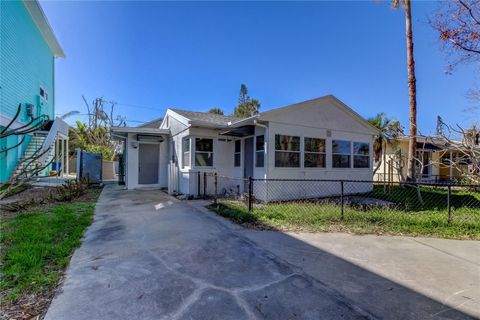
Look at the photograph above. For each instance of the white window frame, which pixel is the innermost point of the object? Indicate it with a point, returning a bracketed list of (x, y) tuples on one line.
[(349, 154), (305, 152), (261, 151), (288, 151), (239, 153), (45, 93), (185, 153), (360, 155), (207, 152)]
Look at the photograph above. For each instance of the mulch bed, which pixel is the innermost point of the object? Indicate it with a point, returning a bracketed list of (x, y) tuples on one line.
[(31, 306)]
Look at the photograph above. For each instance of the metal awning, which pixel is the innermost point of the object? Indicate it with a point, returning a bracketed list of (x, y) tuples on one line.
[(242, 131)]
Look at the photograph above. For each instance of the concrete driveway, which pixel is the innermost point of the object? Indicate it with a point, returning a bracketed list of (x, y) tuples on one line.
[(149, 256)]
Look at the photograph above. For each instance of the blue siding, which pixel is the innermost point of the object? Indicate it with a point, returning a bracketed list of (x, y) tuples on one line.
[(26, 64)]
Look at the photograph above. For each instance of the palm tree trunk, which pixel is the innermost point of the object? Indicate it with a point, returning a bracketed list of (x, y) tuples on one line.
[(412, 92)]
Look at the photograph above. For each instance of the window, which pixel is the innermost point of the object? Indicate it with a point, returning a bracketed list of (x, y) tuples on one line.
[(238, 152), (315, 153), (361, 155), (203, 152), (287, 151), (43, 94), (260, 151), (341, 154), (186, 152)]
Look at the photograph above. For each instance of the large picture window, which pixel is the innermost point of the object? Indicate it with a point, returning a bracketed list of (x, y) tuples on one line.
[(341, 153), (238, 152), (260, 151), (361, 155), (315, 153), (287, 151), (203, 152), (186, 152)]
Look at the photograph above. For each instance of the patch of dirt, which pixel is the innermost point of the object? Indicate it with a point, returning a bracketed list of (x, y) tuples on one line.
[(37, 198), (32, 306)]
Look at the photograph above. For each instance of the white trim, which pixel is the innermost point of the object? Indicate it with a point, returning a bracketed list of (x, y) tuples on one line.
[(342, 106), (4, 121), (41, 21), (140, 130), (183, 120)]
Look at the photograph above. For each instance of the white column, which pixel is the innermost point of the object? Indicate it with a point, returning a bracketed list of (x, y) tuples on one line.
[(56, 155), (67, 165)]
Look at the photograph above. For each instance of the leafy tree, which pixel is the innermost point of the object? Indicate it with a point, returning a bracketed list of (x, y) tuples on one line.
[(458, 25), (95, 135), (412, 87), (389, 130), (216, 111), (247, 106)]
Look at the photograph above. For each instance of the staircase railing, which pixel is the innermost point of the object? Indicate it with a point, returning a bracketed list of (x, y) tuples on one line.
[(58, 127)]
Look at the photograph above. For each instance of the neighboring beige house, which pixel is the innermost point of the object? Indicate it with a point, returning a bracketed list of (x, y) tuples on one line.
[(436, 162), (317, 139)]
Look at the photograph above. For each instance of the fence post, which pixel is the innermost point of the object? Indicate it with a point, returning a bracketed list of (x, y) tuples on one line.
[(341, 196), (250, 193), (215, 183), (204, 185), (449, 195)]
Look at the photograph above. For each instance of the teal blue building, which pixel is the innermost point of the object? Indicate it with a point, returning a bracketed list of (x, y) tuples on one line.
[(28, 50)]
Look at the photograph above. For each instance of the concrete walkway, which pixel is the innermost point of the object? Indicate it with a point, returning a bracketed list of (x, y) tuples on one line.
[(149, 256)]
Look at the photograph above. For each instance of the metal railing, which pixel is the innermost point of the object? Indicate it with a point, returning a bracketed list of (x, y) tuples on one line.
[(58, 127)]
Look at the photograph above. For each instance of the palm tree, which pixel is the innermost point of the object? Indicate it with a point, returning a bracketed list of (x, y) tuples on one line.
[(412, 90), (389, 129)]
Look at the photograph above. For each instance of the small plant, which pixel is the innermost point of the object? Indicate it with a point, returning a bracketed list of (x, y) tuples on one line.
[(72, 189)]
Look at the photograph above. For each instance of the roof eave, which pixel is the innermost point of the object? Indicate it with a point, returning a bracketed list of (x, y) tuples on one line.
[(41, 21), (140, 130)]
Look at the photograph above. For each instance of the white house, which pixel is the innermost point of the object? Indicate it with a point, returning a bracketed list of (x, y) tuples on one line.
[(321, 139)]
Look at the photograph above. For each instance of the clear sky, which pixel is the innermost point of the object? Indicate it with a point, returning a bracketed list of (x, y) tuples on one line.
[(195, 55)]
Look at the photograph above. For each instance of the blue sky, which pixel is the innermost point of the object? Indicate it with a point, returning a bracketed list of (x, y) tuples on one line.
[(195, 55)]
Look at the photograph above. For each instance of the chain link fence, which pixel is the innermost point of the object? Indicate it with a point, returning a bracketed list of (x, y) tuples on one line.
[(310, 201)]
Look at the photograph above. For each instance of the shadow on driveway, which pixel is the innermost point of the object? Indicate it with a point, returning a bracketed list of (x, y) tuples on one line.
[(150, 256)]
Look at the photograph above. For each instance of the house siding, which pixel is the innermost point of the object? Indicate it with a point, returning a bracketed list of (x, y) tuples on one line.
[(132, 166), (26, 64)]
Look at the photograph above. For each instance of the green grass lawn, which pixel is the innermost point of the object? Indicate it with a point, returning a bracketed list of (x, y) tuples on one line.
[(37, 245), (427, 219)]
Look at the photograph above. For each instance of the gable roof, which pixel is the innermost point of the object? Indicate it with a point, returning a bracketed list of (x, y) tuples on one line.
[(152, 124), (337, 102), (205, 117), (38, 16)]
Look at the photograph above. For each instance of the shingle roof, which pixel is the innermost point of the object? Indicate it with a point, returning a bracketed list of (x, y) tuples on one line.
[(206, 117), (152, 124)]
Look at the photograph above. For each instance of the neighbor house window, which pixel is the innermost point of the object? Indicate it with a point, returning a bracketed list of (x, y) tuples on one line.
[(238, 152), (315, 153), (203, 152), (186, 152), (260, 151), (361, 155), (341, 154), (287, 151)]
